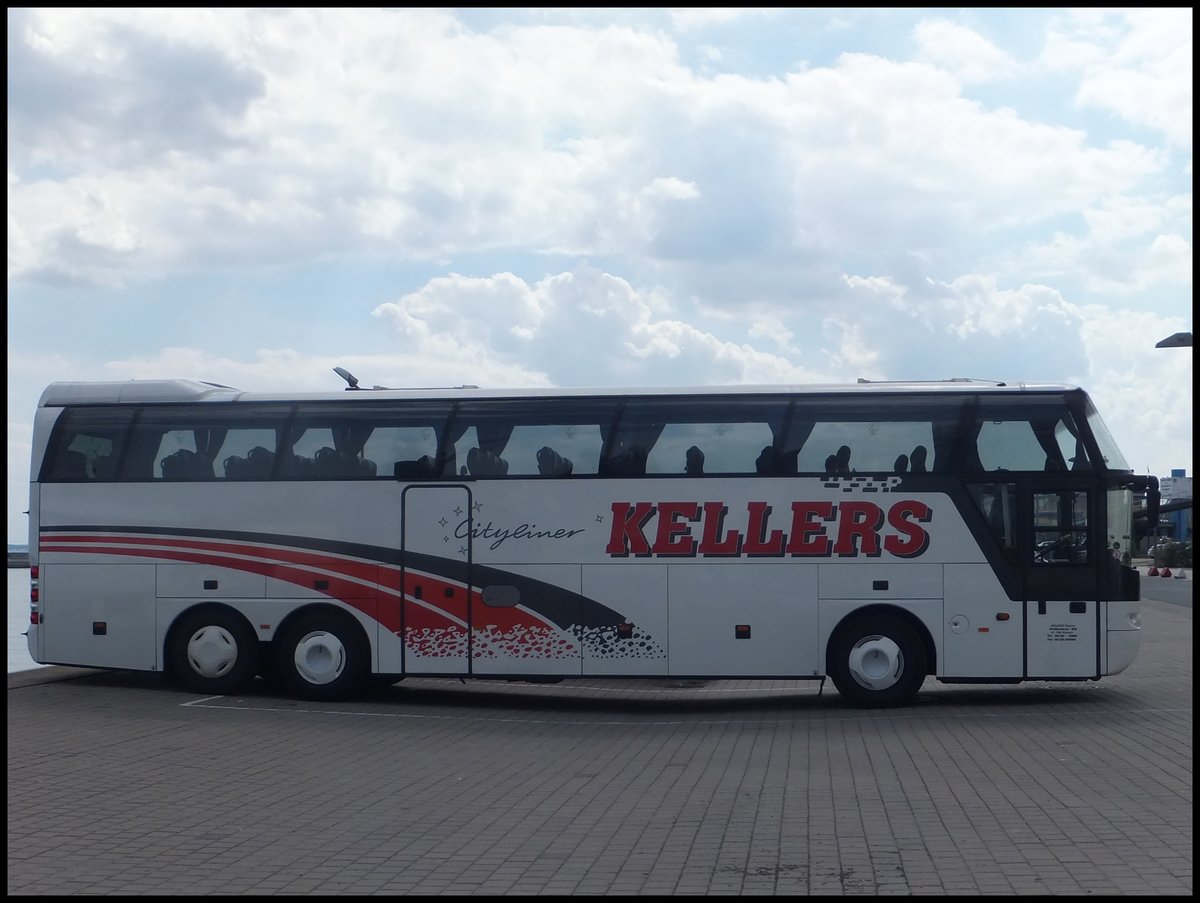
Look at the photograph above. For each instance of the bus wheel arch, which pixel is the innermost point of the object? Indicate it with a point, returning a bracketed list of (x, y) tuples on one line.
[(879, 656), (212, 648), (322, 653)]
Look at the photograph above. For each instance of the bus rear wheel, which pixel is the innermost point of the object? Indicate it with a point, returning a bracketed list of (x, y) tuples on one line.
[(877, 661), (213, 651), (322, 656)]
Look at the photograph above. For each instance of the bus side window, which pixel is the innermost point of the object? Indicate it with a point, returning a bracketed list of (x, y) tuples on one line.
[(875, 446), (185, 464), (423, 468), (247, 454), (532, 438), (1039, 436), (480, 442), (1060, 524), (176, 451), (552, 464), (842, 459), (917, 460), (553, 449), (86, 445), (325, 451), (997, 502), (729, 446), (404, 451), (69, 467), (105, 468), (483, 463), (626, 460)]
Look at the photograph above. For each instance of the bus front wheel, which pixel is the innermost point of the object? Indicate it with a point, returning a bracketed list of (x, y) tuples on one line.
[(213, 651), (877, 660), (323, 656)]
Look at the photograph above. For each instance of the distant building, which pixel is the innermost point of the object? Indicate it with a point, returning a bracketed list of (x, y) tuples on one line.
[(1175, 517), (1175, 487)]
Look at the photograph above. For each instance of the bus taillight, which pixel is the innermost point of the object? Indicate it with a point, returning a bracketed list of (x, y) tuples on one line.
[(33, 595)]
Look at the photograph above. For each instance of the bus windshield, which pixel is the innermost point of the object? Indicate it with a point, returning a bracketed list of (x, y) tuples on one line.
[(1111, 455)]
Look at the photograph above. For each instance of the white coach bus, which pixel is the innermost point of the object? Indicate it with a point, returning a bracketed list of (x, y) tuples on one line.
[(876, 534)]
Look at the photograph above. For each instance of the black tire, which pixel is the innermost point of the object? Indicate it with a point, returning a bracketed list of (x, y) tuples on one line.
[(877, 661), (322, 655), (213, 651)]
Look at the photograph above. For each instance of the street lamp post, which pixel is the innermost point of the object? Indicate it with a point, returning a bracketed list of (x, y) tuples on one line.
[(1178, 340)]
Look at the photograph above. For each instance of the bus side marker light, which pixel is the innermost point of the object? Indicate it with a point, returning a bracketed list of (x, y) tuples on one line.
[(741, 631), (983, 629), (625, 631), (1002, 616), (99, 628)]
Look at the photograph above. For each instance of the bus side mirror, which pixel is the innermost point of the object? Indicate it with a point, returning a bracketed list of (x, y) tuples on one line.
[(1153, 502)]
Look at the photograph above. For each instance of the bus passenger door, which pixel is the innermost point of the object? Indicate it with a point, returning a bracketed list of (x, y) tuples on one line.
[(1062, 611), (435, 618)]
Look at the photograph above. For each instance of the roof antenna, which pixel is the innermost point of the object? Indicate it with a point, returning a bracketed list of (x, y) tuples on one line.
[(349, 377)]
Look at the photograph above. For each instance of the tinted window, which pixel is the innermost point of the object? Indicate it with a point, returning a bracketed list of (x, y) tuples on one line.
[(694, 436), (175, 443), (361, 441), (86, 445), (1032, 434), (998, 504), (1060, 521), (899, 434), (530, 437)]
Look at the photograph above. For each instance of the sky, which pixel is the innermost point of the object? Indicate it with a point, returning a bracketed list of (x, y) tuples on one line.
[(603, 197)]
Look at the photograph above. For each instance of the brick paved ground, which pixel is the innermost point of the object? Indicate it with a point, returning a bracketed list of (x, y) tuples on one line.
[(120, 784)]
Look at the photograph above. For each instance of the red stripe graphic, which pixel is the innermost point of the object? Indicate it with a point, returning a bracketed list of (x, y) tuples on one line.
[(436, 610)]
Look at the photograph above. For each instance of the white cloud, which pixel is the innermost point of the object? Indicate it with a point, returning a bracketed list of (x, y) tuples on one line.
[(885, 286), (406, 134), (671, 189), (703, 17), (969, 304), (584, 321), (1144, 394), (961, 51), (1134, 63), (1158, 261)]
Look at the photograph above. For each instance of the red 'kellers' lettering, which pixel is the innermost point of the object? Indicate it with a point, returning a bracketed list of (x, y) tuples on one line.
[(669, 527), (818, 529), (712, 544), (628, 522)]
